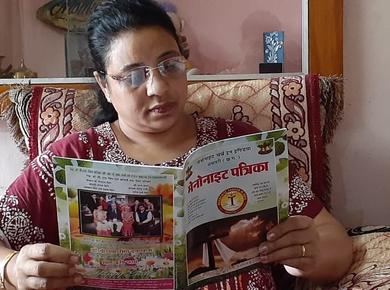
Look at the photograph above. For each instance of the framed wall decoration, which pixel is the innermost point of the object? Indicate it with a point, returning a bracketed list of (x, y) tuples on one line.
[(78, 59)]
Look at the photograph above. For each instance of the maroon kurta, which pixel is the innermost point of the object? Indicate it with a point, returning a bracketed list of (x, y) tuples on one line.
[(28, 209)]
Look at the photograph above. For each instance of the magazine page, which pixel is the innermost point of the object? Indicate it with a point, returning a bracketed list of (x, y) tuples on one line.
[(120, 219), (235, 191)]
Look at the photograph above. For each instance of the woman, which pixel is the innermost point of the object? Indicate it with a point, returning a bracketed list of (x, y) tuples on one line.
[(128, 221), (141, 71)]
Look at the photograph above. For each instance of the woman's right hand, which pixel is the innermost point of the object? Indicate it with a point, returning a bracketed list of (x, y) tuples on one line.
[(44, 266)]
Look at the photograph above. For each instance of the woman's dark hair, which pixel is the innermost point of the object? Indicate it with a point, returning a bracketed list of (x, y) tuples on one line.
[(113, 17)]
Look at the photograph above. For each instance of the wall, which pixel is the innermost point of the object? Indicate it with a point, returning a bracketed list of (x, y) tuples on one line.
[(43, 45), (10, 39), (23, 35), (227, 35), (360, 157), (224, 35)]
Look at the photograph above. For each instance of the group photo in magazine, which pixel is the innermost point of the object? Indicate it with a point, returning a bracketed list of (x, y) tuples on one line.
[(120, 215)]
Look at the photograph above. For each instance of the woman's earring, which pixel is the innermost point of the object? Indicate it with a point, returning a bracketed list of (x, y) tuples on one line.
[(108, 98)]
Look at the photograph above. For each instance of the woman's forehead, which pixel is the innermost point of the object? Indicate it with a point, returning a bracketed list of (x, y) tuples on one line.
[(142, 45)]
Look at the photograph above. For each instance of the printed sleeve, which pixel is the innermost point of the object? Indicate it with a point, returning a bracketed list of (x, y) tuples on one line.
[(302, 199), (232, 128), (240, 128), (22, 206), (28, 209)]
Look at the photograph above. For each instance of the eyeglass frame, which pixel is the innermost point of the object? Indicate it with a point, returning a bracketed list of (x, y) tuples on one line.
[(147, 70)]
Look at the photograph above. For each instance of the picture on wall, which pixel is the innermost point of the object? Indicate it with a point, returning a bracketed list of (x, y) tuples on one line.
[(78, 59)]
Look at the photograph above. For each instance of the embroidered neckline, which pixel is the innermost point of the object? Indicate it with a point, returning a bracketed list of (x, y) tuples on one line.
[(206, 132)]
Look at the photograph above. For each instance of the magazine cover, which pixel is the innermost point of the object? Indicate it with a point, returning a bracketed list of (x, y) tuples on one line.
[(148, 227), (235, 191), (119, 219)]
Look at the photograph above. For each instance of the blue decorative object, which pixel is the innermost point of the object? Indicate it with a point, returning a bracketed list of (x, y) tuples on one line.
[(273, 47)]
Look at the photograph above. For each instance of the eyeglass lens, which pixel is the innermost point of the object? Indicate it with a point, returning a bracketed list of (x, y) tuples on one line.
[(168, 68)]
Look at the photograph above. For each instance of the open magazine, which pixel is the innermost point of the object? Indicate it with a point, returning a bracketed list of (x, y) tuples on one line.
[(150, 227)]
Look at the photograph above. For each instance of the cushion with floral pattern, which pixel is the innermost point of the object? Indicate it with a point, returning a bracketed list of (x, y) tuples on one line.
[(370, 267), (307, 105)]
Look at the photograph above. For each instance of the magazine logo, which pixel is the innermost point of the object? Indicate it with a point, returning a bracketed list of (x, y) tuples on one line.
[(232, 200)]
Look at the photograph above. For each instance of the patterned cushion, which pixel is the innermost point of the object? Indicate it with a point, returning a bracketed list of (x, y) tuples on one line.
[(292, 102), (370, 268), (14, 108), (47, 114), (371, 259), (22, 98), (58, 112), (38, 116)]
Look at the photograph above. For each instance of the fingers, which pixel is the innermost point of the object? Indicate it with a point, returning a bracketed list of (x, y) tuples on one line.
[(51, 283), (292, 238), (293, 256), (47, 269), (46, 266), (291, 252), (293, 223), (49, 252), (293, 243)]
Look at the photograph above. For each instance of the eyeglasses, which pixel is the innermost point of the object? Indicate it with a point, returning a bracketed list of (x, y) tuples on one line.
[(171, 68)]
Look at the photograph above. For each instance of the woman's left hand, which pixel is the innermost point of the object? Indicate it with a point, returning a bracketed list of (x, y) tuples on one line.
[(294, 243)]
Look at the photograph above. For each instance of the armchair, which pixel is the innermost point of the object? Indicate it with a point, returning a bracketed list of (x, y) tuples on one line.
[(309, 106)]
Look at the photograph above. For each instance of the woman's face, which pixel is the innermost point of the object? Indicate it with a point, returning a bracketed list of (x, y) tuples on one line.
[(156, 104)]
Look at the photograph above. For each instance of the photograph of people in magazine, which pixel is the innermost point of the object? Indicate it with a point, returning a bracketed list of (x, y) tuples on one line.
[(150, 227), (122, 215)]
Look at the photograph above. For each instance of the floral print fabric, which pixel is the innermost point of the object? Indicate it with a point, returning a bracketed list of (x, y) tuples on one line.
[(28, 212)]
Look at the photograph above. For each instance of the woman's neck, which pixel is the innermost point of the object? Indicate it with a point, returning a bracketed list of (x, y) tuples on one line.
[(153, 148)]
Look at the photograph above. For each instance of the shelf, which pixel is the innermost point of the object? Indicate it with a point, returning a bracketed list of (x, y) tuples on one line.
[(42, 81), (191, 78), (237, 77)]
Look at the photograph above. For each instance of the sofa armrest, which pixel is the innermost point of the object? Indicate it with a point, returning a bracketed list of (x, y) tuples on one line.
[(370, 268)]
